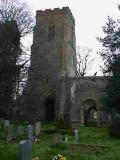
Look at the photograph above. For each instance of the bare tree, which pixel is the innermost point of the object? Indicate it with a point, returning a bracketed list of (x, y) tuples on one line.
[(12, 10), (83, 60)]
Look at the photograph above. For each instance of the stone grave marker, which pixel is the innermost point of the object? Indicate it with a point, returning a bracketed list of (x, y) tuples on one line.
[(9, 133), (6, 124), (37, 128), (20, 131), (25, 150), (57, 138), (76, 134), (66, 139), (30, 132)]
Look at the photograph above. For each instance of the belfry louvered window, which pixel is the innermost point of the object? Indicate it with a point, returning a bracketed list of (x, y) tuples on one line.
[(51, 34)]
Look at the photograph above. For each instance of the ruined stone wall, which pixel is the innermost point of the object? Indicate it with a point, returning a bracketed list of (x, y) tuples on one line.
[(83, 89)]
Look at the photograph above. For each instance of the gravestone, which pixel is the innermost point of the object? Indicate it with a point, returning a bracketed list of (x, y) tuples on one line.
[(6, 124), (76, 134), (9, 133), (57, 138), (66, 139), (20, 131), (37, 128), (30, 132), (25, 150)]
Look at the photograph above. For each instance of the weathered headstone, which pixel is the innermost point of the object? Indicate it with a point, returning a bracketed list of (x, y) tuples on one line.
[(37, 128), (57, 138), (30, 132), (20, 131), (76, 134), (6, 124), (66, 139), (25, 150), (9, 133)]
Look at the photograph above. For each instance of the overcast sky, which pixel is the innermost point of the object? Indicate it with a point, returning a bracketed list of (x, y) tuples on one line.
[(90, 16)]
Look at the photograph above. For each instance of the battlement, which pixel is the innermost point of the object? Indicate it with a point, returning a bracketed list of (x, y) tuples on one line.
[(64, 10)]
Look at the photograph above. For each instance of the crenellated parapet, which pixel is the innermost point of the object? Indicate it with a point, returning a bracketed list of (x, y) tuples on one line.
[(64, 10)]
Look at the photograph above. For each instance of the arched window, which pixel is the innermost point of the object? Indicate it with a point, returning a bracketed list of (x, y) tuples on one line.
[(51, 32)]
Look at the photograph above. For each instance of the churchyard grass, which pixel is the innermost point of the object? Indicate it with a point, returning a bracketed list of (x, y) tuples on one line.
[(94, 144)]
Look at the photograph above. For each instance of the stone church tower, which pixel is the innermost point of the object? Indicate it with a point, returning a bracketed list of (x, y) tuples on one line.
[(53, 58), (53, 87)]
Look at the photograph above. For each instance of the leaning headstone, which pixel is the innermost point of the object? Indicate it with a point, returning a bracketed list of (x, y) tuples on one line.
[(25, 150), (37, 128), (20, 131), (76, 134), (30, 132), (57, 138), (9, 133)]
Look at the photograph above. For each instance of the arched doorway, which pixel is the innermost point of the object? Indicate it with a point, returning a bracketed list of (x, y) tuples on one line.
[(90, 112), (50, 108)]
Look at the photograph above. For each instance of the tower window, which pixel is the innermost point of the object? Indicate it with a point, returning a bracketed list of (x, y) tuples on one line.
[(51, 34)]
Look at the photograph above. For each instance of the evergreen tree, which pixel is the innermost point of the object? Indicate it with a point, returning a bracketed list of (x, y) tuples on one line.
[(15, 22), (111, 57), (9, 70)]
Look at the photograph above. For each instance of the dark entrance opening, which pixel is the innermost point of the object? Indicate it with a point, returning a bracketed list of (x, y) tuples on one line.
[(50, 108), (90, 112), (90, 115)]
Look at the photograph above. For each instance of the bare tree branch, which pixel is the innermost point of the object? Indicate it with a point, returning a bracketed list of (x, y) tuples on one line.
[(83, 62), (12, 10)]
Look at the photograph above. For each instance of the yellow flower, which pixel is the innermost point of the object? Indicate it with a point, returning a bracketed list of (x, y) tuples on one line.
[(59, 157), (63, 158), (36, 158)]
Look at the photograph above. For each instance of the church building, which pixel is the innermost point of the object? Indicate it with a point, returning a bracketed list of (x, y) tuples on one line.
[(53, 87)]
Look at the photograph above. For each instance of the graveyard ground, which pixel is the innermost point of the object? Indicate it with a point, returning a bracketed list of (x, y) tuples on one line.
[(94, 144)]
